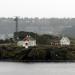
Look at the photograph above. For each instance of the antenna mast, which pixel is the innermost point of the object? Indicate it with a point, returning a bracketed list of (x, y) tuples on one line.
[(16, 21)]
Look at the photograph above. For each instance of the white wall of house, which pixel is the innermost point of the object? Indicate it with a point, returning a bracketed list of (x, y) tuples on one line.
[(27, 44), (20, 43), (64, 41), (32, 43)]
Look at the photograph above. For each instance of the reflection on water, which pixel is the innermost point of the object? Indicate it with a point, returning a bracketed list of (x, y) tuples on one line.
[(8, 68)]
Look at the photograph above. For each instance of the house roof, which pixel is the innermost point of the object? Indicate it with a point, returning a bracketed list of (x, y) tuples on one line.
[(28, 37), (66, 38)]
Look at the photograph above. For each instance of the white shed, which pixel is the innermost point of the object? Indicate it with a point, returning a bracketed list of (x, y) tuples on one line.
[(64, 41)]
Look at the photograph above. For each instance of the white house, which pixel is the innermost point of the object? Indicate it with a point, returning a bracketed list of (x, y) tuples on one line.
[(64, 41), (28, 41)]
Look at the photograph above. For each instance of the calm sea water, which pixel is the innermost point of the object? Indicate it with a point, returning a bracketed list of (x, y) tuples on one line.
[(8, 68)]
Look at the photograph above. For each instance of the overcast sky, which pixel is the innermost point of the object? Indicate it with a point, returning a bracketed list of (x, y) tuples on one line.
[(37, 8)]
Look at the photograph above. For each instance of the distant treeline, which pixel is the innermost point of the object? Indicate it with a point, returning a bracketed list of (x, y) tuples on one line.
[(43, 25)]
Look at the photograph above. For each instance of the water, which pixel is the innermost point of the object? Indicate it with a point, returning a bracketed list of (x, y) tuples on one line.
[(8, 68)]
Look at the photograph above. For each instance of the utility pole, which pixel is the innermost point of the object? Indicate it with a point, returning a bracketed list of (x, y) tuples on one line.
[(16, 23)]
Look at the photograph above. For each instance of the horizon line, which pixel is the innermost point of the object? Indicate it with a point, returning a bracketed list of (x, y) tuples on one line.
[(39, 17)]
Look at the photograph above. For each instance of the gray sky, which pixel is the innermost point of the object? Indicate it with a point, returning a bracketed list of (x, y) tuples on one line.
[(37, 8)]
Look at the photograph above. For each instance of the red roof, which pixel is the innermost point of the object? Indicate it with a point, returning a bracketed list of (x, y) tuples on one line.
[(26, 38)]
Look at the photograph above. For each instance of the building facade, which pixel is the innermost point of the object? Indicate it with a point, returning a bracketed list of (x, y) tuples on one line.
[(28, 41), (64, 41)]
